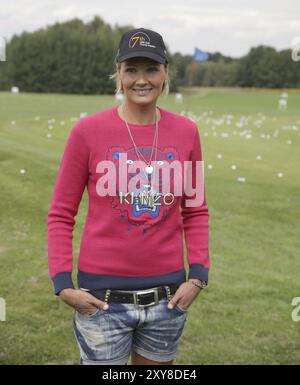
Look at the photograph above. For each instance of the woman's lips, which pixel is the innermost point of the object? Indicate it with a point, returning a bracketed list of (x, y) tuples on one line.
[(143, 91)]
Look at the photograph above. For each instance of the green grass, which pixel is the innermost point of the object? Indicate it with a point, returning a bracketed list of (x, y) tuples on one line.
[(244, 316)]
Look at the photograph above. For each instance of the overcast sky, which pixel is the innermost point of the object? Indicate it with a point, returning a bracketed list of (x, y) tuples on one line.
[(228, 26)]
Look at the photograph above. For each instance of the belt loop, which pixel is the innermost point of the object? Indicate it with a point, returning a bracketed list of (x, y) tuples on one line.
[(107, 294)]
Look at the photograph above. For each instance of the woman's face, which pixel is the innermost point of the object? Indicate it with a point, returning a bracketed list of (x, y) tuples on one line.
[(142, 79)]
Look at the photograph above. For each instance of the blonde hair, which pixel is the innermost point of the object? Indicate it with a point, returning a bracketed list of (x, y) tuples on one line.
[(119, 88)]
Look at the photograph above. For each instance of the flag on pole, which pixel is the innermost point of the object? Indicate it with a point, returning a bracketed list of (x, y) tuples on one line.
[(200, 55)]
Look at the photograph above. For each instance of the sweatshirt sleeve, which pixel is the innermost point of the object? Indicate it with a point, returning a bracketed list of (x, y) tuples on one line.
[(195, 224), (70, 184)]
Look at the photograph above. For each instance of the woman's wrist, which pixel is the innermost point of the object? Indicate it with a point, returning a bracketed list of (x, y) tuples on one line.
[(65, 292), (198, 283)]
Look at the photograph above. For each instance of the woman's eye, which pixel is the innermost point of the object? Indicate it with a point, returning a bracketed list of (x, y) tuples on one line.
[(153, 69), (130, 70), (129, 161), (160, 162)]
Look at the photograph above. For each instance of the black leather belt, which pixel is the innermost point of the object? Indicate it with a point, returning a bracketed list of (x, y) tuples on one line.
[(140, 298)]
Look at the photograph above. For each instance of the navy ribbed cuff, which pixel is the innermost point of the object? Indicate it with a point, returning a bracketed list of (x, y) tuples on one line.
[(62, 281), (198, 271)]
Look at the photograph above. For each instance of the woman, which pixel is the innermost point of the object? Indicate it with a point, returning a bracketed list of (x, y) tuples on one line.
[(133, 296)]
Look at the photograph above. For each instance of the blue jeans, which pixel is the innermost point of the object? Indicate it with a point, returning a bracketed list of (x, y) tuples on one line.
[(108, 336)]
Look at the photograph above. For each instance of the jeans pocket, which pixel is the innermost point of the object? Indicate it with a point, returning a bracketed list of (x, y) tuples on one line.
[(180, 309), (89, 316), (94, 314)]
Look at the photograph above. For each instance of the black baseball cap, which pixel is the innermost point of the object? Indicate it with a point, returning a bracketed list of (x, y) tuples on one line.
[(142, 42)]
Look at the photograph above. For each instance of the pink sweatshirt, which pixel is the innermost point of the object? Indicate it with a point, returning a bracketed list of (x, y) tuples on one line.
[(126, 244)]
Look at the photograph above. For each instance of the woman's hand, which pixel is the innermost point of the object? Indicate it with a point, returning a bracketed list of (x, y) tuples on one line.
[(184, 296), (82, 301)]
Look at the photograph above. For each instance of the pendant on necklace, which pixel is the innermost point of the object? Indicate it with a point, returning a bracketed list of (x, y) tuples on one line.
[(149, 169)]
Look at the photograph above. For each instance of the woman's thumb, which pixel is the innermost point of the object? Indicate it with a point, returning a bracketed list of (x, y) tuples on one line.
[(171, 303), (101, 304)]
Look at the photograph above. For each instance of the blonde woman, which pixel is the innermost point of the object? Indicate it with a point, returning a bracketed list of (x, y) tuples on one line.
[(133, 296)]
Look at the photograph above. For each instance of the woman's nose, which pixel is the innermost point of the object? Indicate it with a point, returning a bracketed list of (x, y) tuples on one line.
[(141, 79)]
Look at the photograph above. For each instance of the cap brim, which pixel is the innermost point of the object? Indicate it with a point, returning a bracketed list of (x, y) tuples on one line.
[(149, 55)]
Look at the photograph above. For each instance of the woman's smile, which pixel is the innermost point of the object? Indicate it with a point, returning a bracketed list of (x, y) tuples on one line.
[(142, 91)]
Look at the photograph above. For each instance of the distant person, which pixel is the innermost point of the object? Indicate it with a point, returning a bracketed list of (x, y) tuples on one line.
[(282, 104), (131, 255)]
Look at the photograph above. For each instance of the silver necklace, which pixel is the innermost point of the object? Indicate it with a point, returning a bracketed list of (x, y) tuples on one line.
[(149, 169)]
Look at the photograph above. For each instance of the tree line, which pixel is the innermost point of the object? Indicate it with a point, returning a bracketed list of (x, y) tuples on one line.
[(77, 58)]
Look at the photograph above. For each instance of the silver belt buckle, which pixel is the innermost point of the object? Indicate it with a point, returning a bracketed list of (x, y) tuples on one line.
[(137, 293)]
